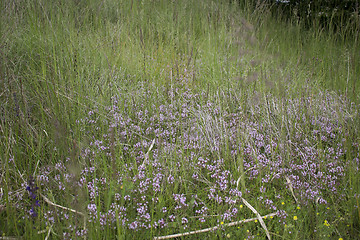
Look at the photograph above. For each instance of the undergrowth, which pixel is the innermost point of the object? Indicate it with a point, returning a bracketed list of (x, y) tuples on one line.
[(141, 119)]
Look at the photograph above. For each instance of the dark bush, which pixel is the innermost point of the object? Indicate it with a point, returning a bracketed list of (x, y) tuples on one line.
[(325, 11), (334, 15)]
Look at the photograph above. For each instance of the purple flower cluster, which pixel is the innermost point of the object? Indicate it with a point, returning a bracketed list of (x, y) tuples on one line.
[(32, 190), (191, 173)]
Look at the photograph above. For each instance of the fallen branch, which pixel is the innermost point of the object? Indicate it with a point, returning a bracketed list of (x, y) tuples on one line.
[(212, 228), (59, 206), (65, 208), (146, 158), (10, 238), (291, 188), (258, 217)]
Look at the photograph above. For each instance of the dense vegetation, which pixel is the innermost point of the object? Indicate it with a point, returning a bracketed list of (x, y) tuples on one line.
[(341, 17), (141, 119)]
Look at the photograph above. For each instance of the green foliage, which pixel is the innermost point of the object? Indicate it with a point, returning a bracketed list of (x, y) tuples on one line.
[(64, 64), (330, 15)]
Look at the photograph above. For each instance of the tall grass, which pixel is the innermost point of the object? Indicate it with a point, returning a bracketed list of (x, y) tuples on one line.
[(138, 119)]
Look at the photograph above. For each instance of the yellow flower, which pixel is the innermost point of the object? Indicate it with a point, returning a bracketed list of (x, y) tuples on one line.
[(228, 235), (271, 217), (265, 217), (295, 218), (282, 203), (326, 223), (241, 206), (256, 221), (341, 239), (222, 223), (298, 207)]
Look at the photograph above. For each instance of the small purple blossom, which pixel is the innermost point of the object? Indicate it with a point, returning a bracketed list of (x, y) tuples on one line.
[(32, 190)]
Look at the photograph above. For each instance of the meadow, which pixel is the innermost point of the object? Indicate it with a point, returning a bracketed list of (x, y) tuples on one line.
[(160, 119)]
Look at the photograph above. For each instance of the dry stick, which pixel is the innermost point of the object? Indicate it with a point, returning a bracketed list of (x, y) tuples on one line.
[(59, 206), (147, 154), (65, 208), (291, 188), (47, 236), (2, 207), (212, 228), (46, 230), (10, 238), (258, 216), (242, 175)]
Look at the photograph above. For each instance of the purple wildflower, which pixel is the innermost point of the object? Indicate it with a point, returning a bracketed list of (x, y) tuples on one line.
[(32, 189)]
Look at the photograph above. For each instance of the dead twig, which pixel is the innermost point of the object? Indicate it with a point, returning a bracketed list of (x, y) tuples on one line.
[(65, 208), (291, 188), (59, 206), (212, 228), (146, 158), (258, 217), (10, 238)]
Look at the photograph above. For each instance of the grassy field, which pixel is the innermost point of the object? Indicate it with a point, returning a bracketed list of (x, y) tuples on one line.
[(144, 119)]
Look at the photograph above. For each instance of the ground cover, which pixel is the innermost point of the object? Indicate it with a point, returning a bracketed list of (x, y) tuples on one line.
[(145, 119)]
